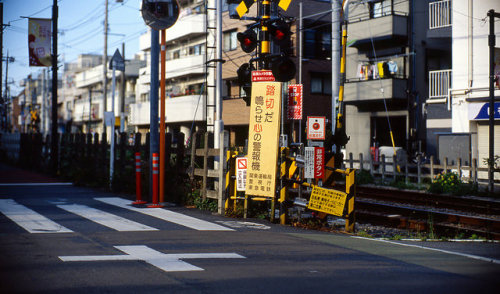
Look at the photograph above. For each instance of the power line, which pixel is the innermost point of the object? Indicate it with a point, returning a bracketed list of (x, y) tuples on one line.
[(42, 10)]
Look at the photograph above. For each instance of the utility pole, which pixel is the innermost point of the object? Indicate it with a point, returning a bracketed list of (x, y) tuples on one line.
[(90, 109), (1, 51), (491, 43), (54, 152), (6, 95), (44, 105), (46, 118), (219, 123), (153, 102), (104, 67), (301, 53), (336, 12), (122, 94)]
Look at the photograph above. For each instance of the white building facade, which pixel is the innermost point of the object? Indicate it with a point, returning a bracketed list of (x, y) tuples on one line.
[(186, 74)]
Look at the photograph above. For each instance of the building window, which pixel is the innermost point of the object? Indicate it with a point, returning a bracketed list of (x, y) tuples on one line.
[(380, 8), (144, 97), (230, 41), (196, 49), (176, 54), (200, 9), (317, 43), (194, 89), (321, 83)]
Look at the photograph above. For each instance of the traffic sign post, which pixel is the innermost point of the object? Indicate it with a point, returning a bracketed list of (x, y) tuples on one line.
[(116, 63), (161, 15)]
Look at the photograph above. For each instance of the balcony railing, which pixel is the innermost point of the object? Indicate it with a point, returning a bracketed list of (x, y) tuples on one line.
[(439, 83), (440, 14)]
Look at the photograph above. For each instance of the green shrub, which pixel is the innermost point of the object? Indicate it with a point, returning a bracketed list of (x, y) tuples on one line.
[(364, 234), (198, 202), (364, 177), (450, 183)]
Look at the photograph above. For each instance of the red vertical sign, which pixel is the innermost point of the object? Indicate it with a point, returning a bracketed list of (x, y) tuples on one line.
[(295, 101), (319, 162)]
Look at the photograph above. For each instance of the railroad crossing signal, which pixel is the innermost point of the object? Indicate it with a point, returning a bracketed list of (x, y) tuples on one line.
[(280, 32), (248, 40), (242, 7), (245, 81)]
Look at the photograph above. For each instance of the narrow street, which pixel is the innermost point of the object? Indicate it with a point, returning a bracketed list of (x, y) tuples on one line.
[(58, 238)]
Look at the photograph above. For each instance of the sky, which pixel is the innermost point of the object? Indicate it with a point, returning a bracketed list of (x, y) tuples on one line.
[(81, 30)]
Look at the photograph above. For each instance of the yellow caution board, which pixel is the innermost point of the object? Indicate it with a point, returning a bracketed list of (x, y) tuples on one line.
[(327, 200), (263, 135)]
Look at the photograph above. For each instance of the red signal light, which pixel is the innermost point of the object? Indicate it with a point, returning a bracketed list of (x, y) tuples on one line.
[(279, 35), (248, 40), (280, 32), (283, 68)]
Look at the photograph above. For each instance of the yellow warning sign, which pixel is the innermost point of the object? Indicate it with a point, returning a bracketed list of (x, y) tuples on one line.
[(263, 138), (284, 4), (243, 7), (327, 201)]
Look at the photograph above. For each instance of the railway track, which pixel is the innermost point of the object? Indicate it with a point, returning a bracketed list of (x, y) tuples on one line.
[(444, 215)]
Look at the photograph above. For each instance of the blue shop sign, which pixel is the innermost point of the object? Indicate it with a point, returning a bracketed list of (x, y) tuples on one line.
[(484, 113)]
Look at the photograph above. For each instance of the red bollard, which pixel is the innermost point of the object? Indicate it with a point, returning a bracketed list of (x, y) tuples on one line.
[(138, 196), (155, 182)]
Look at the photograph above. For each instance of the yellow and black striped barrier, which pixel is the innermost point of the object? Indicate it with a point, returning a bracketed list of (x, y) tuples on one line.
[(290, 177), (231, 193)]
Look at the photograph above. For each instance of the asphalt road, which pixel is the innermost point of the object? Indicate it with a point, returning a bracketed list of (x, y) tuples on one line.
[(66, 239)]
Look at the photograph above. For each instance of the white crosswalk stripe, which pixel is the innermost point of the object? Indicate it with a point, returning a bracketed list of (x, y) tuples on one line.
[(106, 219), (167, 215), (28, 219), (34, 222)]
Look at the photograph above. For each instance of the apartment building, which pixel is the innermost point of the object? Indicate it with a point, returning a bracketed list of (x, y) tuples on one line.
[(84, 98), (190, 80), (31, 108), (420, 70), (457, 104), (186, 74)]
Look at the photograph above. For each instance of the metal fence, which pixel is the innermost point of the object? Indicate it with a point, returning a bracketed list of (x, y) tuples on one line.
[(391, 169), (10, 144)]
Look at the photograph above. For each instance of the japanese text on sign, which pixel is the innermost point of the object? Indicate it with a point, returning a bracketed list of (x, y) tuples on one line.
[(309, 162), (327, 201), (263, 139), (241, 173), (262, 76), (319, 162), (295, 101)]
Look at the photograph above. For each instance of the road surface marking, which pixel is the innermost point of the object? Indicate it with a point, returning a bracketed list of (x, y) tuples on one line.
[(166, 215), (36, 184), (106, 219), (435, 249), (165, 262), (28, 219)]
